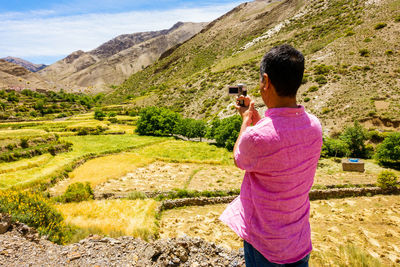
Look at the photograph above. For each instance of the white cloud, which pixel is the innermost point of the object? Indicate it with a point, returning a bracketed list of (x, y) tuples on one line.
[(31, 35)]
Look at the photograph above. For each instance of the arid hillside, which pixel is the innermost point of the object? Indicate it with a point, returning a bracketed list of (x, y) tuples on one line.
[(16, 77), (114, 61), (26, 64), (352, 61)]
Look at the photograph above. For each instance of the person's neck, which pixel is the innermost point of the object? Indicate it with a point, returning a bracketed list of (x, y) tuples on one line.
[(284, 102)]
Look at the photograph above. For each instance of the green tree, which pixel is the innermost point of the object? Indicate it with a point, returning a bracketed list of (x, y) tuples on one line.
[(388, 152), (355, 137), (211, 130), (228, 131), (198, 128), (99, 115), (157, 121), (334, 148)]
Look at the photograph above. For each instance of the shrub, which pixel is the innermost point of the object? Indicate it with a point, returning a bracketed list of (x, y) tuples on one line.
[(99, 115), (355, 137), (364, 52), (306, 99), (334, 148), (76, 192), (388, 153), (389, 52), (380, 25), (322, 69), (320, 79), (397, 18), (35, 211), (312, 89), (387, 179), (24, 143)]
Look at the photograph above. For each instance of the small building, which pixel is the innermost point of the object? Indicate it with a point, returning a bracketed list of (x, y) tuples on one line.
[(353, 165)]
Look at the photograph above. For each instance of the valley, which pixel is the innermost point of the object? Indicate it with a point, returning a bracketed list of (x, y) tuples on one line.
[(132, 141)]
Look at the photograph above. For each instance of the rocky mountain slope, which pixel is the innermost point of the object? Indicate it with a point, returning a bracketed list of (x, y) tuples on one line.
[(114, 61), (26, 64), (352, 61), (17, 77)]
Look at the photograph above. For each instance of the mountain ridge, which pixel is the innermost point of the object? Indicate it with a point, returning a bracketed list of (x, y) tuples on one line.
[(25, 63)]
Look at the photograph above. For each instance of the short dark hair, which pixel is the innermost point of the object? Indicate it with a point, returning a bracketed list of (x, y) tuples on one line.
[(285, 67)]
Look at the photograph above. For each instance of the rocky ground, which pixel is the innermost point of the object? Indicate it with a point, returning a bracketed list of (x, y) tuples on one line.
[(20, 245)]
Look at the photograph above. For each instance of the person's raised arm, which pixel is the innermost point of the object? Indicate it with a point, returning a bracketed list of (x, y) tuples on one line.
[(249, 116)]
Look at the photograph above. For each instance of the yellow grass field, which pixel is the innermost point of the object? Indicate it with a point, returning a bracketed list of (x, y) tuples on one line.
[(100, 170), (113, 217)]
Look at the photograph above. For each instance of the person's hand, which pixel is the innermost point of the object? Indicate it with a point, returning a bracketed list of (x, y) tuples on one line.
[(246, 111), (249, 114)]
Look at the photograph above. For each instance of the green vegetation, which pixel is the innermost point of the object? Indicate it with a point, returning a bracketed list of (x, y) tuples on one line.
[(36, 211), (157, 121), (364, 52), (334, 148), (186, 151), (387, 179), (355, 137), (76, 192), (380, 25), (29, 104), (388, 152), (226, 131), (184, 193)]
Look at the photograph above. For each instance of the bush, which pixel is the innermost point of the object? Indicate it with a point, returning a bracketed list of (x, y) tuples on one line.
[(364, 52), (157, 121), (312, 89), (76, 192), (99, 115), (397, 18), (320, 79), (388, 153), (387, 179), (389, 52), (228, 131), (24, 143), (380, 25), (355, 137), (307, 99), (334, 148), (35, 211)]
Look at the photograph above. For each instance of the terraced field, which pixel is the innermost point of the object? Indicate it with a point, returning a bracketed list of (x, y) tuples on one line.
[(341, 229)]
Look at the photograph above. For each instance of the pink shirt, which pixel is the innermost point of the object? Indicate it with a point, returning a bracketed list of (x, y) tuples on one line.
[(280, 155)]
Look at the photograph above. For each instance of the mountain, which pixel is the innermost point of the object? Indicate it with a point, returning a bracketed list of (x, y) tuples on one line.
[(17, 77), (351, 50), (114, 61), (26, 64)]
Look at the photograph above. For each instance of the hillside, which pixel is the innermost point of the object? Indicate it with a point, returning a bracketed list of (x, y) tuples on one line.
[(26, 64), (352, 61), (17, 77), (114, 61)]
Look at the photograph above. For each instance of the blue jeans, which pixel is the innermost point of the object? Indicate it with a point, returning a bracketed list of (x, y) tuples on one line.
[(254, 258)]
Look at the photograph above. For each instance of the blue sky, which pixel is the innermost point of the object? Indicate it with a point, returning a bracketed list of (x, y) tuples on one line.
[(48, 30)]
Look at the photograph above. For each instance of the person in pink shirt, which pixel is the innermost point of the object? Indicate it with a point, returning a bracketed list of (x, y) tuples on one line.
[(280, 154)]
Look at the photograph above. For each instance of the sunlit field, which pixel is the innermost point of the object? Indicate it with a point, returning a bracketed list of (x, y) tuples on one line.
[(345, 232), (113, 217), (82, 146), (190, 152), (100, 170)]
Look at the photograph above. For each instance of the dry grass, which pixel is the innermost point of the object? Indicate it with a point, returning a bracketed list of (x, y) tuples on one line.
[(362, 231), (99, 170), (113, 217)]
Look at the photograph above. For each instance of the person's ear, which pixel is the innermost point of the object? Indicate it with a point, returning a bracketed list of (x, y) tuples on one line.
[(265, 82)]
